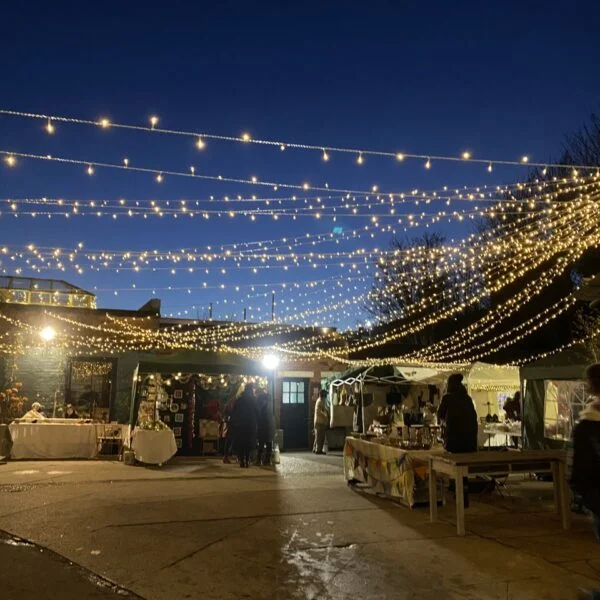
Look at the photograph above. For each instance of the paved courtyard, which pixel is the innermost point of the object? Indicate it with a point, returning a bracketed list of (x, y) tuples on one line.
[(201, 529)]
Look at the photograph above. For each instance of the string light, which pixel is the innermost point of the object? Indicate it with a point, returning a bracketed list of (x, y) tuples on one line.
[(360, 160), (200, 144), (399, 156), (466, 155), (325, 155), (10, 160), (490, 168), (90, 170), (159, 178), (245, 137), (104, 123), (50, 127), (126, 162), (428, 163)]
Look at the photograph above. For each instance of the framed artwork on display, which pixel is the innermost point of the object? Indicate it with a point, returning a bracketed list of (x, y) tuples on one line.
[(178, 394), (178, 418)]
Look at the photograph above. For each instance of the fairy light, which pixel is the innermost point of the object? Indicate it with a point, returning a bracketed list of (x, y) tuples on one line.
[(50, 127), (325, 156), (360, 160), (399, 156), (246, 137), (428, 163), (10, 160), (159, 178), (90, 170), (104, 123), (153, 122), (200, 144), (525, 159), (466, 155), (126, 162), (490, 168), (192, 170)]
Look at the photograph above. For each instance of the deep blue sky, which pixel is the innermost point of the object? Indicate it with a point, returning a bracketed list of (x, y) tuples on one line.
[(501, 79)]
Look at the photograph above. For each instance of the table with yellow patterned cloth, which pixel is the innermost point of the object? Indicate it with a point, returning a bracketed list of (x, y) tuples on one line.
[(394, 472)]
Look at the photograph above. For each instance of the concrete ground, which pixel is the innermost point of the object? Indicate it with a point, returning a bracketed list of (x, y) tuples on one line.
[(201, 529)]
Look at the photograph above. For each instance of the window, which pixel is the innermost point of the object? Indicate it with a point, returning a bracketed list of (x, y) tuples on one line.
[(564, 400), (292, 392), (89, 389)]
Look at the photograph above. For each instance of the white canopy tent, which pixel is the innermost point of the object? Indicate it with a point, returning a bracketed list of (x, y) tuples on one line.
[(484, 381)]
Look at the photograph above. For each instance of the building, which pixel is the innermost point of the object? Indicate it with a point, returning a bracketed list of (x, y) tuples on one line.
[(59, 348)]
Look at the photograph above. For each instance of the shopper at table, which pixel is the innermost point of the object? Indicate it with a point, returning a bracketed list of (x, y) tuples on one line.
[(244, 421), (35, 413), (585, 470), (321, 421), (512, 408), (70, 412), (459, 421), (266, 429)]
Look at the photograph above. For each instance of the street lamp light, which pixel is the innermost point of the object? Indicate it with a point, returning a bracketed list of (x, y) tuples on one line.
[(48, 333), (270, 361)]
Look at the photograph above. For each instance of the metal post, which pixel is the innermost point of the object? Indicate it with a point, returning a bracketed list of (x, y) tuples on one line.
[(272, 306)]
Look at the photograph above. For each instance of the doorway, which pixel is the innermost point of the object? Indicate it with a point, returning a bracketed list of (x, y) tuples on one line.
[(294, 413)]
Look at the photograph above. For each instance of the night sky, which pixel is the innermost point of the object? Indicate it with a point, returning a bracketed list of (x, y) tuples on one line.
[(498, 79)]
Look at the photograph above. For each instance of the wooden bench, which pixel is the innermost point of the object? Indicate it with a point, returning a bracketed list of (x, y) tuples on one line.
[(457, 466)]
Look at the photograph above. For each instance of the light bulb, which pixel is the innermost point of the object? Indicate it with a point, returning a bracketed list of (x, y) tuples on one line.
[(90, 170), (246, 137), (50, 127), (200, 144), (325, 155), (193, 170), (10, 160), (466, 155), (428, 164), (104, 123), (126, 162), (544, 170), (153, 121), (490, 168), (525, 159), (282, 147), (399, 156), (360, 160), (159, 178)]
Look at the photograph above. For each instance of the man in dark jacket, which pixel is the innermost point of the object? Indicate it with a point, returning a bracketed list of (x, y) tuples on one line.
[(266, 429), (244, 422), (585, 470), (459, 421)]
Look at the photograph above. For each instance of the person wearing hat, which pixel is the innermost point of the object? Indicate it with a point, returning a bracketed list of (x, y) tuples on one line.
[(459, 420)]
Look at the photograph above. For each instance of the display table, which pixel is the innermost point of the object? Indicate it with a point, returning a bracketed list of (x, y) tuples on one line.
[(458, 466), (153, 447), (499, 434), (397, 473), (53, 440)]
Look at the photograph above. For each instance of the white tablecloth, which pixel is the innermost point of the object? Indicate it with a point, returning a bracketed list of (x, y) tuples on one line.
[(153, 447), (53, 440), (401, 474)]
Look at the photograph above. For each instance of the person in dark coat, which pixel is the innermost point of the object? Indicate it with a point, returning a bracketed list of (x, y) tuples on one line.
[(265, 429), (513, 408), (585, 468), (244, 423), (459, 421)]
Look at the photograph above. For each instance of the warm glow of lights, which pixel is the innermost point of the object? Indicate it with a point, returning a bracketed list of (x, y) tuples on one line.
[(10, 160), (399, 156), (270, 361), (90, 170), (525, 159), (153, 121), (200, 144), (192, 170), (466, 155), (360, 160), (325, 155), (50, 127), (126, 162), (246, 137), (428, 164), (47, 333), (159, 178), (490, 168), (104, 123)]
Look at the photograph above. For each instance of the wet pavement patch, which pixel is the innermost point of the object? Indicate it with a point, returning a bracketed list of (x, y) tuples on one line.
[(32, 572)]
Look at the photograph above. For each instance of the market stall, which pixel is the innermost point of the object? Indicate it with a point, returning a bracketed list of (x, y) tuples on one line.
[(401, 474), (53, 439)]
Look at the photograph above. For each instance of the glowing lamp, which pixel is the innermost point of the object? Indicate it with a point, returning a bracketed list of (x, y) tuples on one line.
[(48, 333), (270, 361)]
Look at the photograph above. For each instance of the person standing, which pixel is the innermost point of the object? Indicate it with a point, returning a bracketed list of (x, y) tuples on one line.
[(265, 429), (321, 422), (512, 408), (244, 421), (585, 468), (459, 421)]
